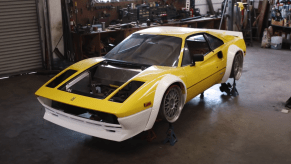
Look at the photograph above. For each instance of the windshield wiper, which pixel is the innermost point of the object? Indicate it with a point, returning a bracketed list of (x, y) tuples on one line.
[(126, 64)]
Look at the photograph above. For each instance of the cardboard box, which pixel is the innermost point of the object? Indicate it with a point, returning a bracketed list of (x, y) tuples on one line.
[(277, 23), (285, 22)]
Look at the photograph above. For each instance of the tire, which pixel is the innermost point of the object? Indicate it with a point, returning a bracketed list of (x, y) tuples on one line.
[(237, 66), (172, 104)]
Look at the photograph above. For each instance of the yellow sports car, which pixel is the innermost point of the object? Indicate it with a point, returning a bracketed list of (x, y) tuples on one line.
[(152, 72)]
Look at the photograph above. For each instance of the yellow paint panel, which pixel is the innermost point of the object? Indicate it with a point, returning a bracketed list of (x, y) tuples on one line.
[(78, 100)]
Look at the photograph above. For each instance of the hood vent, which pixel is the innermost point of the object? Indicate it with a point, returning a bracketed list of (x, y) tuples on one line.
[(126, 91), (58, 80)]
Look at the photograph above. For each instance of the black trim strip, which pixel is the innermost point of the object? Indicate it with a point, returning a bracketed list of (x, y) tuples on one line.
[(206, 78)]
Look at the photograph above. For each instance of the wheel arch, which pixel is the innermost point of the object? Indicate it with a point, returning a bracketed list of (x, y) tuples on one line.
[(181, 85), (232, 51), (162, 87)]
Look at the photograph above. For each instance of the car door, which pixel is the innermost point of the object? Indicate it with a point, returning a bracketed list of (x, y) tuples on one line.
[(218, 48), (213, 66), (203, 74)]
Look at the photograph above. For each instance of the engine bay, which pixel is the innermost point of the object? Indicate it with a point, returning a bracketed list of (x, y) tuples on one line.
[(102, 80)]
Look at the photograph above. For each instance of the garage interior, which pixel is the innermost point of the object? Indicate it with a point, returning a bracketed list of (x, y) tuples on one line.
[(253, 127)]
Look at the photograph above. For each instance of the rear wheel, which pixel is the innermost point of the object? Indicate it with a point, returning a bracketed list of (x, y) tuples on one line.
[(237, 66), (172, 104)]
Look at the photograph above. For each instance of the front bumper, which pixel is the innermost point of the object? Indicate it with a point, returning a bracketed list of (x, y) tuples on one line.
[(129, 126)]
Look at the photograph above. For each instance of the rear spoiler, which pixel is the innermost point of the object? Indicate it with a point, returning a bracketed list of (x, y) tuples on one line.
[(233, 33)]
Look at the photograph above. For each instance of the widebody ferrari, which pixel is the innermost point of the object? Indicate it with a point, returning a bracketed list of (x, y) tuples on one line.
[(152, 72)]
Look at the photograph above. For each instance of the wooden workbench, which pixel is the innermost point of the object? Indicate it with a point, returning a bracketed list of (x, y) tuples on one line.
[(119, 35), (209, 23)]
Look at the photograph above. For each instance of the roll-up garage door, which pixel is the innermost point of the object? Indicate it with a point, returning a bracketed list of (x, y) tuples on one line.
[(19, 36)]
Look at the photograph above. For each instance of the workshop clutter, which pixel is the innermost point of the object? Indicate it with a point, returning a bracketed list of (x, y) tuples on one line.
[(266, 40), (277, 36), (94, 27), (90, 12), (276, 39), (281, 14), (84, 14)]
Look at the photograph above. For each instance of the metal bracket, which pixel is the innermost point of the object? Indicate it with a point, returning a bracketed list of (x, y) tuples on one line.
[(229, 89), (234, 91), (202, 95), (171, 136)]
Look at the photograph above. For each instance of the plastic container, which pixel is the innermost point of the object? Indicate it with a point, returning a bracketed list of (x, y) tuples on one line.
[(276, 46), (103, 26), (276, 42)]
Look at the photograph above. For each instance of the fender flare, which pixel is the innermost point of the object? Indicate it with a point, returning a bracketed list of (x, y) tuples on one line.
[(162, 87), (232, 51)]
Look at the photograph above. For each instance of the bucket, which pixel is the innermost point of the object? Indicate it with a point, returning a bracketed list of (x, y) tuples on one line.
[(276, 42)]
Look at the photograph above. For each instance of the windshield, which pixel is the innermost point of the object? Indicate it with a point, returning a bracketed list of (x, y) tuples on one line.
[(148, 49)]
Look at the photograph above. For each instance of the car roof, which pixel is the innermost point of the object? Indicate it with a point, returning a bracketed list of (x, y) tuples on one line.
[(171, 31)]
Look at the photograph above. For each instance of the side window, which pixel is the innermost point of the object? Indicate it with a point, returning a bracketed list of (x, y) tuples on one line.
[(186, 56), (213, 41), (197, 45)]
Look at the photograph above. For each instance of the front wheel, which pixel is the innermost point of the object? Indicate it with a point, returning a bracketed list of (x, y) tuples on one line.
[(172, 104), (237, 66)]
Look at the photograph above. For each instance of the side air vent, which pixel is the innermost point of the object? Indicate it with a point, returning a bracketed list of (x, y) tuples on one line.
[(220, 55), (85, 113), (58, 80)]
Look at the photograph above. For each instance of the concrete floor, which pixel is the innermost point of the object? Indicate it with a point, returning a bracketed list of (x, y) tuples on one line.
[(219, 129)]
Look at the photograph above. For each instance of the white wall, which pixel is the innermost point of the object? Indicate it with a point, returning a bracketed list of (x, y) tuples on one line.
[(55, 11)]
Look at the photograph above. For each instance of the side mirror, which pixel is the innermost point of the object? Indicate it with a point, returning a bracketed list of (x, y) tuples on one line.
[(196, 58)]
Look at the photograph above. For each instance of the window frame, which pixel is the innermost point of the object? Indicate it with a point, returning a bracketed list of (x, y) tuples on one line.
[(185, 43), (214, 37)]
